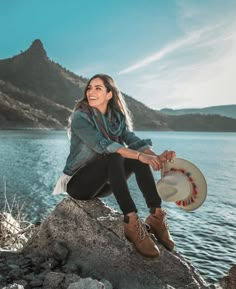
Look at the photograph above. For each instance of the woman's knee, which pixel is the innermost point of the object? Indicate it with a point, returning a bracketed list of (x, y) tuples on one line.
[(116, 164), (137, 166), (115, 158), (134, 163)]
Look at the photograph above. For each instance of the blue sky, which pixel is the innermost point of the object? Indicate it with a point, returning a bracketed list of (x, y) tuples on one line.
[(165, 53)]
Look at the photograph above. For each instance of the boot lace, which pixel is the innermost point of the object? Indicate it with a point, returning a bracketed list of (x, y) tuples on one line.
[(143, 233), (163, 218)]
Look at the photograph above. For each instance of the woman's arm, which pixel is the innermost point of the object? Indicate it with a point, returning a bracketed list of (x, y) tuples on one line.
[(165, 156), (153, 160), (134, 142), (148, 156)]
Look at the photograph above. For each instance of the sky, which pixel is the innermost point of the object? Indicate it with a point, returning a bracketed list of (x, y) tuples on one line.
[(164, 53)]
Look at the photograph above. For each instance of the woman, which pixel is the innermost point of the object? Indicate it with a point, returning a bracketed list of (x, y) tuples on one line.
[(104, 152)]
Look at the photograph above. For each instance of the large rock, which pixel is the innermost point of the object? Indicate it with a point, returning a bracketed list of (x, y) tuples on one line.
[(229, 281), (87, 239)]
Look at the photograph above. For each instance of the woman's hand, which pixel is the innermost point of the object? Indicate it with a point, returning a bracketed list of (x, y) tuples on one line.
[(153, 160), (148, 157), (167, 156)]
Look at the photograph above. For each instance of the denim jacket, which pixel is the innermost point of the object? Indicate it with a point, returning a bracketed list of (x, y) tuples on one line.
[(87, 143)]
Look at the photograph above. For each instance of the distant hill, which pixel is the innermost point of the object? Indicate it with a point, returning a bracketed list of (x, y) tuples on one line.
[(224, 110), (36, 92), (197, 122)]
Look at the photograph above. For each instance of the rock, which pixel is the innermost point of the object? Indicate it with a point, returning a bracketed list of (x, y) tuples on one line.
[(229, 281), (106, 283), (15, 274), (26, 263), (14, 266), (71, 268), (215, 286), (36, 283), (4, 267), (70, 278), (60, 251), (23, 283), (87, 283), (29, 277), (89, 236), (53, 280), (63, 281), (14, 286)]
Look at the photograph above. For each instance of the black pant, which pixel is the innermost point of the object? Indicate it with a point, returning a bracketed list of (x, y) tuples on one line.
[(109, 173)]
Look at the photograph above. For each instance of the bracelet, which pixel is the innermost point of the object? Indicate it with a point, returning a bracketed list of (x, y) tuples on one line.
[(139, 155)]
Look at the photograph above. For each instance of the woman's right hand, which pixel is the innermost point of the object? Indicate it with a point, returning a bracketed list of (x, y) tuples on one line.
[(167, 156), (153, 160)]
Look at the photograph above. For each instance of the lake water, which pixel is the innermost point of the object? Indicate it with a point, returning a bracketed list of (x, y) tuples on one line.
[(31, 162)]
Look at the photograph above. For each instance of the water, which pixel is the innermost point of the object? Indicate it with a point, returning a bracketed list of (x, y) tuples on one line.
[(31, 162)]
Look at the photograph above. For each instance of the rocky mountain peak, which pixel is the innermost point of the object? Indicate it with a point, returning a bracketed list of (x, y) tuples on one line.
[(37, 49)]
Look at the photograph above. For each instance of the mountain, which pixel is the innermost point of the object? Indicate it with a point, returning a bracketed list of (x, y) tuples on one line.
[(224, 110), (36, 92), (32, 70)]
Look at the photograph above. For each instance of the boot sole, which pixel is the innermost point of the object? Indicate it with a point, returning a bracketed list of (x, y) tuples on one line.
[(151, 231)]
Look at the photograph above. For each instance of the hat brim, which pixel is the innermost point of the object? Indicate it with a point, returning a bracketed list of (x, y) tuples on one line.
[(197, 179)]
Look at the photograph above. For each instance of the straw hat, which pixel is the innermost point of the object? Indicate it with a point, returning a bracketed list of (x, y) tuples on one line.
[(183, 183)]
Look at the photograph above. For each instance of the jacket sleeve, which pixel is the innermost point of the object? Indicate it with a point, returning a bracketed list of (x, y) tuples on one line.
[(134, 142), (83, 128)]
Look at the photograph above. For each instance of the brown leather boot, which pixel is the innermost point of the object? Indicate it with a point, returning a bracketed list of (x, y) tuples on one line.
[(136, 232), (158, 223)]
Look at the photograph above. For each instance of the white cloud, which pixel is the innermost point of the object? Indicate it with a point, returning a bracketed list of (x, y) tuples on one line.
[(189, 39), (208, 84), (195, 71)]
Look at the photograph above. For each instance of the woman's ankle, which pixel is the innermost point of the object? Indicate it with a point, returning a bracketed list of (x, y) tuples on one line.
[(131, 215)]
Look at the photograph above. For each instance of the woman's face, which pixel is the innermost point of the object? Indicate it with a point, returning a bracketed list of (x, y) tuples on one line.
[(97, 95)]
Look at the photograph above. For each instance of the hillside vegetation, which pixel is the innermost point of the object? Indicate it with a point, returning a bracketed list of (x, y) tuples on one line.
[(223, 110)]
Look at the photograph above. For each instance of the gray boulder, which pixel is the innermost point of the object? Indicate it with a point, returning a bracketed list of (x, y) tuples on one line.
[(57, 280), (88, 237), (229, 281), (88, 283)]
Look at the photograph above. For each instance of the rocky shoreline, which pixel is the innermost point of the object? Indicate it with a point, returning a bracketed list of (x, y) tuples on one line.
[(81, 245)]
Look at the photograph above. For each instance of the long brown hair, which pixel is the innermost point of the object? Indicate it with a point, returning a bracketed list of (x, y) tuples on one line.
[(116, 102)]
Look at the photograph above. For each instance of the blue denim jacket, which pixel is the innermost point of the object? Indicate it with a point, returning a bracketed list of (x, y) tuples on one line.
[(87, 143)]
